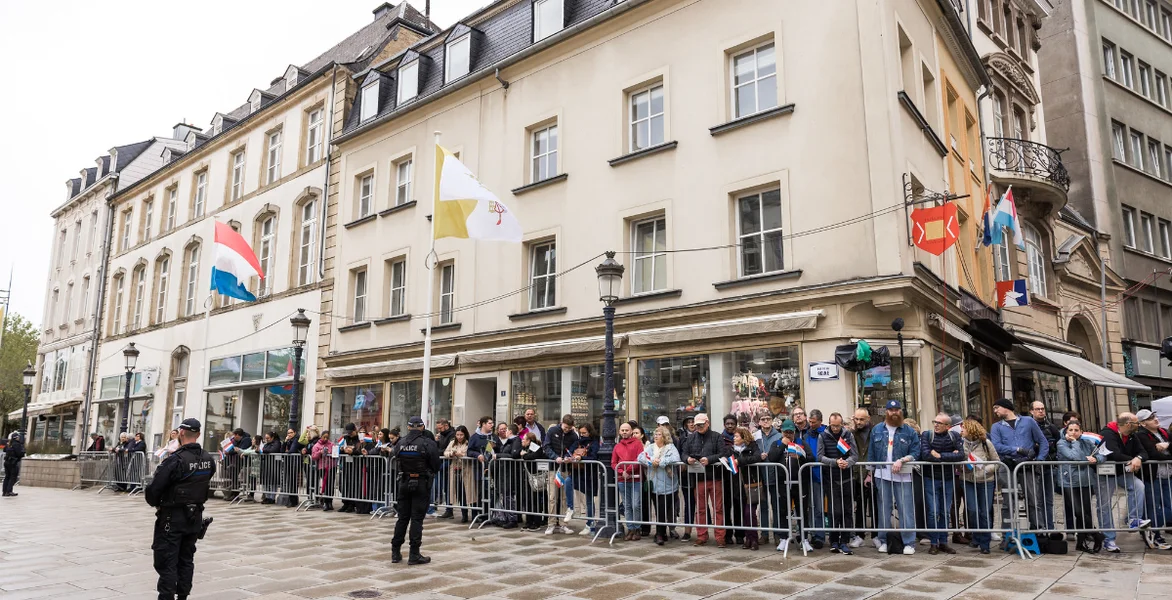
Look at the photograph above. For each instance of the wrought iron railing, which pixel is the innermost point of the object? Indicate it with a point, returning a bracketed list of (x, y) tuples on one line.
[(1029, 158)]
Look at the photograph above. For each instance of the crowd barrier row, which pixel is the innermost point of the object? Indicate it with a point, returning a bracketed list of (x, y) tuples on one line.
[(748, 505)]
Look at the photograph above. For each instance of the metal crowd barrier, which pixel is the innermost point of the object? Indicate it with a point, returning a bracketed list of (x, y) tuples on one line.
[(363, 481), (541, 490), (278, 478), (128, 471), (460, 486)]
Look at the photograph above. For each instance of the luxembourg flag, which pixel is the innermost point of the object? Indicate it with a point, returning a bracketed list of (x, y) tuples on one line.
[(234, 263), (1093, 438), (843, 447), (1005, 217)]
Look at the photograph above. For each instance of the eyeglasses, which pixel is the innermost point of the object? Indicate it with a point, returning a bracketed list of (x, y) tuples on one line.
[(942, 422)]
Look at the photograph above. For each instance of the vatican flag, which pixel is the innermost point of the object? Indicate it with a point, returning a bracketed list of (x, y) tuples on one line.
[(466, 209)]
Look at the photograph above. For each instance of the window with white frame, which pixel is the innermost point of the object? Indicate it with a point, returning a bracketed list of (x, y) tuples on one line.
[(1001, 259), (93, 237), (139, 297), (369, 101), (1168, 163), (1126, 69), (545, 153), (268, 240), (201, 193), (398, 287), (1161, 89), (403, 181), (542, 276), (1147, 236), (447, 294), (76, 239), (189, 300), (148, 217), (1036, 259), (67, 312), (646, 117), (1109, 59), (1151, 18), (1166, 25), (307, 244), (365, 195), (998, 114), (1165, 241), (650, 244), (83, 308), (408, 81), (237, 175), (760, 233), (274, 171), (1137, 149), (161, 291), (1118, 143), (314, 137), (548, 18), (1154, 147), (127, 225), (1145, 79), (1129, 227), (172, 207), (457, 58), (359, 296), (754, 80)]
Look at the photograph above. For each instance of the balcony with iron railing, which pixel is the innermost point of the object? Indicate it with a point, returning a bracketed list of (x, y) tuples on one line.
[(1030, 165)]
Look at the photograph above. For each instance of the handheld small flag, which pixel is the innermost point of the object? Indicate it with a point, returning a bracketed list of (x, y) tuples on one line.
[(560, 479), (160, 453), (843, 447), (226, 446), (366, 438), (1093, 438), (795, 449), (729, 463), (234, 263), (972, 459)]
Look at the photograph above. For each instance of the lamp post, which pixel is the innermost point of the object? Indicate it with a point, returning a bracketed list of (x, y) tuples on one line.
[(130, 353), (30, 375), (897, 326), (610, 280), (300, 324)]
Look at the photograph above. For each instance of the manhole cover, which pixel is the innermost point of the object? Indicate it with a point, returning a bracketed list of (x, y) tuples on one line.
[(365, 594)]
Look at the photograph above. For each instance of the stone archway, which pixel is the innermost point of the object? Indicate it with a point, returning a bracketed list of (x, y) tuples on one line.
[(1088, 400), (1082, 333)]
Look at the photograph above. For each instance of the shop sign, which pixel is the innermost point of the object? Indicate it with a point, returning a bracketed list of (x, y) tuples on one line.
[(823, 371), (1147, 362)]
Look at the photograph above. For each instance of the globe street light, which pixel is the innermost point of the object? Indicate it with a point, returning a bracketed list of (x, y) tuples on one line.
[(610, 280), (130, 353), (300, 324), (30, 375)]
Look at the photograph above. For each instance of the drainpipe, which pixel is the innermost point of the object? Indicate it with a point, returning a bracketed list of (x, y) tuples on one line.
[(98, 312), (1103, 315)]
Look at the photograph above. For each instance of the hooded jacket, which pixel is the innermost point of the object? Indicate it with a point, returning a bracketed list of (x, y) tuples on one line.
[(1075, 476), (1120, 449), (1148, 441), (665, 478), (627, 450)]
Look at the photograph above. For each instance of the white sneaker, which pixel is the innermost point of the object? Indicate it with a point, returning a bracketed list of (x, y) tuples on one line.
[(882, 548), (806, 547), (856, 542), (996, 537), (909, 550), (569, 514), (549, 530), (1110, 546), (585, 531), (925, 541), (565, 530), (878, 542), (783, 545)]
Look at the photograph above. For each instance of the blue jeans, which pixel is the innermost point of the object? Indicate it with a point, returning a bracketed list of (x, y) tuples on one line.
[(1105, 487), (1158, 502), (815, 511), (587, 488), (901, 495), (631, 494), (938, 505), (978, 505), (771, 502)]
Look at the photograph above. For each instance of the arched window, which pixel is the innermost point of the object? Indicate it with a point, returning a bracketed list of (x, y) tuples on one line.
[(190, 276), (1036, 258), (265, 254)]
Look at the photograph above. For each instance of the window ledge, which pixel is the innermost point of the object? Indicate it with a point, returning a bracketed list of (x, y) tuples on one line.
[(659, 295), (354, 327), (1139, 171), (444, 327), (541, 312), (1138, 94), (540, 184), (1146, 254), (614, 162), (394, 209), (926, 127), (394, 319), (776, 276), (357, 222), (750, 119)]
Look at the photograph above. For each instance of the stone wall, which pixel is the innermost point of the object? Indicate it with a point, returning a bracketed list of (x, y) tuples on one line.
[(35, 472)]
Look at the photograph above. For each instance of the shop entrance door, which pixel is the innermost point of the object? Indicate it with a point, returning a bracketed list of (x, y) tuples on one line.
[(250, 411), (479, 401)]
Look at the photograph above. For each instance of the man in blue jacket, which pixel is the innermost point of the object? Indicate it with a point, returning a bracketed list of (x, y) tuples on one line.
[(808, 432), (896, 443), (1018, 441)]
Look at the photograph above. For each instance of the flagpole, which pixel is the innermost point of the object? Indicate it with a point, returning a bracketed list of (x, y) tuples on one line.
[(204, 361), (429, 262)]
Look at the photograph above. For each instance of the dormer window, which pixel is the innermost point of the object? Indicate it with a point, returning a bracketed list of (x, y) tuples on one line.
[(548, 18), (217, 125), (167, 156), (369, 101), (190, 140), (254, 104), (290, 78), (408, 81), (458, 58)]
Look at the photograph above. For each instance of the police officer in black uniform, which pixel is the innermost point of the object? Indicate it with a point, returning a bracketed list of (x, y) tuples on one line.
[(178, 492), (419, 461)]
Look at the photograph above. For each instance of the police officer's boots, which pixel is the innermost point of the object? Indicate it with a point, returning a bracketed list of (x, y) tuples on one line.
[(396, 555), (417, 559)]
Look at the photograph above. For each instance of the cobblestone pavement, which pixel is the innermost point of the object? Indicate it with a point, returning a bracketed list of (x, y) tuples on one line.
[(62, 544)]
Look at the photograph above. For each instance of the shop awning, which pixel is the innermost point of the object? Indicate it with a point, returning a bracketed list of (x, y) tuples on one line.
[(1081, 367), (750, 326), (389, 367), (952, 330), (525, 351), (41, 408)]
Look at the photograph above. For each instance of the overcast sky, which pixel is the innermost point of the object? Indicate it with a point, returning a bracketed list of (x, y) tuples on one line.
[(88, 76)]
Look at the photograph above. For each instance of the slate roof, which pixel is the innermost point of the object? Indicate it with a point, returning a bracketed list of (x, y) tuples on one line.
[(129, 152)]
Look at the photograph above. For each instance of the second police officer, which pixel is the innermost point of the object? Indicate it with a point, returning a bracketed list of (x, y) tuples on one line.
[(419, 461)]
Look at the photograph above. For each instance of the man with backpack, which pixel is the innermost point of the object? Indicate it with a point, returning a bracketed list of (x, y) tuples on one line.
[(941, 446)]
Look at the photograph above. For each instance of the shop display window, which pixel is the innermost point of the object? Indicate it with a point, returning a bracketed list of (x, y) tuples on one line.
[(358, 404), (878, 385)]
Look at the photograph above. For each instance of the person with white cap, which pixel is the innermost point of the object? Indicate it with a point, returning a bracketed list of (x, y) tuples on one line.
[(1156, 473), (705, 448)]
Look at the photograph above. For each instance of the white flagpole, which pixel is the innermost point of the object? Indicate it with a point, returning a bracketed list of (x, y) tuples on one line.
[(430, 262)]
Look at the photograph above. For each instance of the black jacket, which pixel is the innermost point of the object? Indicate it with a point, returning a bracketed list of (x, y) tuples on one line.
[(273, 447), (443, 439), (793, 462), (1052, 436), (13, 452), (1120, 451), (291, 446), (559, 444), (706, 445), (751, 455), (182, 478), (1148, 441)]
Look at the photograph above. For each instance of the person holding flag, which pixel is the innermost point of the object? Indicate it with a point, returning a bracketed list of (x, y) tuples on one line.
[(1078, 446), (788, 451), (745, 485), (836, 450)]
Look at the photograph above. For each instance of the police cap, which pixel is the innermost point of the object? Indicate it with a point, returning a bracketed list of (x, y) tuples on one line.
[(415, 422), (190, 425)]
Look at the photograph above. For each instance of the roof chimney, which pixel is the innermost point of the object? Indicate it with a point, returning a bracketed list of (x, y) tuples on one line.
[(427, 10), (383, 9)]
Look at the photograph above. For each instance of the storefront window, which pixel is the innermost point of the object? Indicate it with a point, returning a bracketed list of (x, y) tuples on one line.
[(1051, 390), (39, 430), (52, 429), (406, 402), (67, 427), (221, 413), (107, 426), (587, 392), (880, 384), (972, 387), (761, 382), (358, 404), (224, 370), (947, 378), (676, 387), (112, 387), (280, 364), (275, 415), (441, 399), (254, 367), (540, 390), (140, 413)]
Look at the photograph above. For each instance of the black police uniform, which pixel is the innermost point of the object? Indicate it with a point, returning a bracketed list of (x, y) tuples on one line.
[(178, 492), (419, 461)]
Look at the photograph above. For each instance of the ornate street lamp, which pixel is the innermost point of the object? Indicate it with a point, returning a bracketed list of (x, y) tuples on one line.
[(130, 353), (300, 324), (30, 375), (610, 280)]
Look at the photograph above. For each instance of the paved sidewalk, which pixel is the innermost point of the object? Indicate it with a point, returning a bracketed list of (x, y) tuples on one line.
[(62, 544)]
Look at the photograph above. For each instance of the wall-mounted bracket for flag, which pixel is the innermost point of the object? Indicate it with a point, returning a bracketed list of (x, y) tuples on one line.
[(915, 194)]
